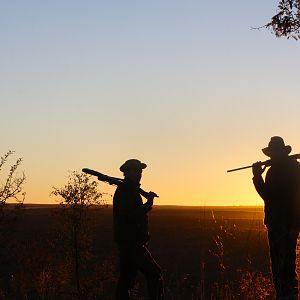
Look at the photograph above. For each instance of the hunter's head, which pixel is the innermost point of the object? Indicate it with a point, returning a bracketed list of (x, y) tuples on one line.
[(132, 170), (277, 149)]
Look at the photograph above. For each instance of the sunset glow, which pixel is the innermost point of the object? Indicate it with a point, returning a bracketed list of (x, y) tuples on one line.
[(192, 95)]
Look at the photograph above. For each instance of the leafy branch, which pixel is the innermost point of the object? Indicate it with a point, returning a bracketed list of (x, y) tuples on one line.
[(13, 185), (286, 23)]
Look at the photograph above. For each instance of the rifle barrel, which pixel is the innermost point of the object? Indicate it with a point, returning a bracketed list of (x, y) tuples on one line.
[(264, 163), (237, 169), (111, 180)]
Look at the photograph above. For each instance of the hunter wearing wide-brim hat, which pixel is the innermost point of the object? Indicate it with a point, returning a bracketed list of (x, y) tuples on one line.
[(281, 194), (132, 233)]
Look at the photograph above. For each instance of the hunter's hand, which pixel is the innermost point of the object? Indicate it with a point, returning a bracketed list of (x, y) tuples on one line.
[(257, 169), (151, 196)]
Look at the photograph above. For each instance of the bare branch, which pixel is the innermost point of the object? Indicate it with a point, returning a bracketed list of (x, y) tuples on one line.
[(13, 186)]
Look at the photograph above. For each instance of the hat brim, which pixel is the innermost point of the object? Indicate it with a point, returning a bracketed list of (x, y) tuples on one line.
[(270, 151), (143, 166), (125, 167)]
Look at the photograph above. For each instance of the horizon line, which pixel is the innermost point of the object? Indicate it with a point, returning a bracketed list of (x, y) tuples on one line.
[(178, 205)]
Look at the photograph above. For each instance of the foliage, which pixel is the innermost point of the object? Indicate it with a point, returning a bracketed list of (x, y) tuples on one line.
[(10, 190), (78, 195), (79, 191), (287, 21), (13, 185), (255, 285)]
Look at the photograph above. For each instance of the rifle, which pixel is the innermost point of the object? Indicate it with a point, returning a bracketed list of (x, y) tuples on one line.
[(113, 181), (266, 163)]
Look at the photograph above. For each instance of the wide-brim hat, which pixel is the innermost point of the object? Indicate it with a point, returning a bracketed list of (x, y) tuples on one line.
[(132, 164), (276, 145)]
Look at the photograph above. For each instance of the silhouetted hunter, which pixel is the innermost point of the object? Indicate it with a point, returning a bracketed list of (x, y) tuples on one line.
[(281, 194), (131, 233)]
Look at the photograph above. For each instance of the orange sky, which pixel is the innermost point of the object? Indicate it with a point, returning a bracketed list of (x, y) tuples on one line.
[(94, 85)]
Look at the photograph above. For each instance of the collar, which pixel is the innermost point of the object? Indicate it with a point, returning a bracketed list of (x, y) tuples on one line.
[(131, 183)]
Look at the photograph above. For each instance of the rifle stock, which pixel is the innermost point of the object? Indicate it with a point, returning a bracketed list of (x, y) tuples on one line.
[(264, 163), (111, 180)]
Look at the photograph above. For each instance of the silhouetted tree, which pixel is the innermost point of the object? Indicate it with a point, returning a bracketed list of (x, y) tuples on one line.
[(78, 195), (13, 184), (10, 191), (287, 21)]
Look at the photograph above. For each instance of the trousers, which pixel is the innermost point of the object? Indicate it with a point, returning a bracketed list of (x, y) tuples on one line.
[(138, 258), (282, 244)]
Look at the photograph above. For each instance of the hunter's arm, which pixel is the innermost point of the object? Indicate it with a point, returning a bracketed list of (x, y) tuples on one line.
[(258, 181), (123, 205), (259, 185)]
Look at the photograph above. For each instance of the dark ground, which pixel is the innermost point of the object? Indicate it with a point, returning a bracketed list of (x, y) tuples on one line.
[(205, 253), (198, 248)]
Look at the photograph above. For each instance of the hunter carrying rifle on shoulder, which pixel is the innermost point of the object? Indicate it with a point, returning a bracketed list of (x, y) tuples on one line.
[(280, 191), (131, 233)]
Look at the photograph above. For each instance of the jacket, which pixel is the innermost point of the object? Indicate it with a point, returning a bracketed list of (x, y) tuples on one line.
[(130, 215), (281, 193)]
